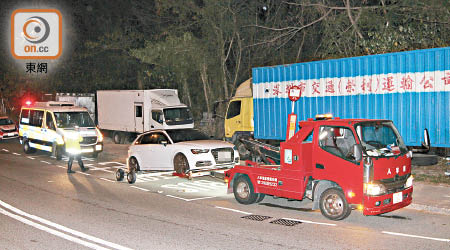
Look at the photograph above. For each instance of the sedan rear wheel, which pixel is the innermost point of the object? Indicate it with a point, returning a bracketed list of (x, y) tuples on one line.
[(180, 164)]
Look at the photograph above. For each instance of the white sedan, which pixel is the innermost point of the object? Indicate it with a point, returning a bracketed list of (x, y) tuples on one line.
[(180, 150)]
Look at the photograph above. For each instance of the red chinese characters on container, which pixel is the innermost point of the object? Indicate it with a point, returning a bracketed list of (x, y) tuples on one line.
[(388, 84), (366, 85), (288, 87), (406, 83), (276, 90), (427, 82), (329, 88), (446, 78), (350, 86), (316, 86)]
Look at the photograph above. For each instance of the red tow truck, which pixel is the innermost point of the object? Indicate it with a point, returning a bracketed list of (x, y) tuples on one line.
[(339, 164)]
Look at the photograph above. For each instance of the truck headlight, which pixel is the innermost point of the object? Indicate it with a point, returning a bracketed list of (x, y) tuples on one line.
[(409, 182), (199, 151), (374, 189), (99, 135)]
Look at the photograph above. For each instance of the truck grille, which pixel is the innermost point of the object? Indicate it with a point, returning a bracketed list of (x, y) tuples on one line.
[(396, 184), (89, 140), (226, 155)]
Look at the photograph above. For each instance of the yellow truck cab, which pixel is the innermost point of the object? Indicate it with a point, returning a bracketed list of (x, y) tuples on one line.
[(239, 117), (43, 126)]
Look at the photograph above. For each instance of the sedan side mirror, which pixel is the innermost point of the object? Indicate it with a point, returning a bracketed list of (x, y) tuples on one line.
[(357, 152), (164, 143)]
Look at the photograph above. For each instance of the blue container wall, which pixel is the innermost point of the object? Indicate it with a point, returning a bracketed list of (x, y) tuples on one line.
[(410, 111)]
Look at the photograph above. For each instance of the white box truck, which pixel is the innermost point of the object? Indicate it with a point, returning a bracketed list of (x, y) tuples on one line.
[(126, 113)]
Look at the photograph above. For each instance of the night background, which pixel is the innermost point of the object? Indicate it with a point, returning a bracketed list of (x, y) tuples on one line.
[(206, 48)]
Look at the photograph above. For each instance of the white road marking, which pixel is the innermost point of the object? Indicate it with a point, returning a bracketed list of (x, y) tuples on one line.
[(184, 199), (29, 157), (59, 166), (448, 196), (233, 210), (16, 154), (311, 222), (6, 150), (195, 186), (417, 236), (143, 189), (46, 162), (50, 181), (106, 179), (59, 227), (84, 173)]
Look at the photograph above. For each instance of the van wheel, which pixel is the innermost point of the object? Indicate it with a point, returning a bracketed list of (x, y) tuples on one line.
[(180, 164), (333, 204), (117, 137), (26, 147), (243, 191)]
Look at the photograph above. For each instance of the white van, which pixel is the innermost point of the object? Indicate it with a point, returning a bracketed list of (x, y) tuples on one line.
[(43, 126)]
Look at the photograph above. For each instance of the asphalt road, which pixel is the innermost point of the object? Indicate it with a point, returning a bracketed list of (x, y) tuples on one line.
[(42, 207)]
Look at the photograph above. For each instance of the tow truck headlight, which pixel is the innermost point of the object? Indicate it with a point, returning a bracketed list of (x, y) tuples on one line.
[(374, 189), (409, 182), (199, 151)]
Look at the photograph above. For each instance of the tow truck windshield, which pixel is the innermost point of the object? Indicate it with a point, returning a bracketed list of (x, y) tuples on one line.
[(380, 138), (178, 116), (73, 119)]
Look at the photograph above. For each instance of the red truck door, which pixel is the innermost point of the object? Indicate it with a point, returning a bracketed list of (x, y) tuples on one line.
[(333, 160)]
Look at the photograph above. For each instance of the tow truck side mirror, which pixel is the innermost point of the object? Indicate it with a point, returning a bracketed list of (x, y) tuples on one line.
[(357, 152)]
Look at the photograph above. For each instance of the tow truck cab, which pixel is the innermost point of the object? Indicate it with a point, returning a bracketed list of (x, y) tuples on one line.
[(339, 164)]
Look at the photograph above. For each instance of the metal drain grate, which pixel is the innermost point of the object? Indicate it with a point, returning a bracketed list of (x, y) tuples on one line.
[(256, 217), (285, 222)]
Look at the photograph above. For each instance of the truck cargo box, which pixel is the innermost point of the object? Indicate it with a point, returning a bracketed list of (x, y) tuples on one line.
[(410, 88)]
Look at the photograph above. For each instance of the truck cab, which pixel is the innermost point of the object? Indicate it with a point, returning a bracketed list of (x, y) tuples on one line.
[(339, 164)]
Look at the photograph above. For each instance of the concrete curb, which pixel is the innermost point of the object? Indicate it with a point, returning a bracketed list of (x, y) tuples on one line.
[(430, 209)]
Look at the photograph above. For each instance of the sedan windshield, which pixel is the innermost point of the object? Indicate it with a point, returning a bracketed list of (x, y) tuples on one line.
[(380, 138), (180, 135), (73, 119), (6, 122)]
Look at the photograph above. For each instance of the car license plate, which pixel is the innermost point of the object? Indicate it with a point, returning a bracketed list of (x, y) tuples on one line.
[(224, 156), (398, 197), (10, 134), (87, 150)]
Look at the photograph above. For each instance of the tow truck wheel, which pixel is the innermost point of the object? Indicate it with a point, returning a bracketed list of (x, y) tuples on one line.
[(120, 174), (243, 191), (131, 177), (333, 204), (180, 164)]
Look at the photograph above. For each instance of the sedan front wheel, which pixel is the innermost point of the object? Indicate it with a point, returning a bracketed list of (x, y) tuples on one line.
[(180, 164)]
